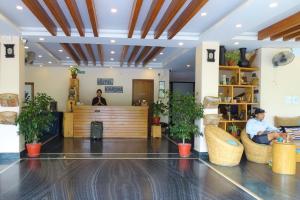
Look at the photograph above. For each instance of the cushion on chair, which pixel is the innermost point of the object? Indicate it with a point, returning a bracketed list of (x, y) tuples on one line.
[(232, 142)]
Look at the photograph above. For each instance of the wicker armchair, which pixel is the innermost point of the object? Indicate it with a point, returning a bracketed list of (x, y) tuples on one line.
[(258, 153), (223, 148)]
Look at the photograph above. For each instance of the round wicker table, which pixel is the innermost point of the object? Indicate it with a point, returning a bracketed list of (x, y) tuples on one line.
[(284, 158)]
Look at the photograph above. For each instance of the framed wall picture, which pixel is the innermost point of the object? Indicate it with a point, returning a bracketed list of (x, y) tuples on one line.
[(161, 90), (210, 55), (29, 91), (9, 51)]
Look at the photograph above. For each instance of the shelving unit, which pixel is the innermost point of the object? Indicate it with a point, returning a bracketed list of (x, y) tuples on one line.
[(229, 92)]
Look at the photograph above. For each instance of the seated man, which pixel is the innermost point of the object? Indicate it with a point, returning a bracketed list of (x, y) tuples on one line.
[(99, 100), (261, 131)]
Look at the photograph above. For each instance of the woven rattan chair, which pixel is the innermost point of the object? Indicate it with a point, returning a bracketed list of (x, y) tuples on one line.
[(223, 148), (258, 153)]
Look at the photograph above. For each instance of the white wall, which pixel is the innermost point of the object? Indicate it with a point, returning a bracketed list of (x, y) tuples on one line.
[(277, 84), (55, 82)]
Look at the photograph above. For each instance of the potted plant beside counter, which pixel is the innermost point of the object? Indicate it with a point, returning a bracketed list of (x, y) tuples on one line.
[(184, 110), (159, 108), (35, 117), (74, 71)]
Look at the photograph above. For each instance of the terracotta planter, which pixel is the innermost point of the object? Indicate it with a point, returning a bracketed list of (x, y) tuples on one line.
[(156, 120), (74, 76), (184, 149), (33, 150), (231, 63), (234, 134)]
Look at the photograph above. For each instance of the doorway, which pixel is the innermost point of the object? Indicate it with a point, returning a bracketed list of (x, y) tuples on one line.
[(143, 89)]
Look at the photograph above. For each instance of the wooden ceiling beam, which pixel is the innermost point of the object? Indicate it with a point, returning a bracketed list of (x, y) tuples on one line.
[(142, 55), (133, 54), (137, 4), (74, 11), (152, 55), (40, 13), (93, 17), (189, 12), (91, 53), (80, 52), (71, 52), (151, 16), (58, 14), (283, 25), (291, 36), (100, 53), (123, 54), (297, 39), (289, 31), (172, 10)]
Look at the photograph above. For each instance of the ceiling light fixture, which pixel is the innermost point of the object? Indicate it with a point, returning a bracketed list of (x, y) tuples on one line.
[(188, 65), (112, 52), (238, 26), (18, 7), (161, 53), (50, 62), (67, 57), (150, 68), (203, 14), (236, 43), (154, 59), (41, 65), (113, 10), (40, 56), (273, 5), (60, 50), (112, 59), (180, 43), (41, 39), (26, 47), (112, 41)]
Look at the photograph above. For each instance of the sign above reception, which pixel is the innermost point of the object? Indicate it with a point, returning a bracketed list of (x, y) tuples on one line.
[(113, 89), (105, 81)]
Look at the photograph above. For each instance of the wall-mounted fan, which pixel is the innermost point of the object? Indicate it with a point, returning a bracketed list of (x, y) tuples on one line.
[(283, 58), (29, 57)]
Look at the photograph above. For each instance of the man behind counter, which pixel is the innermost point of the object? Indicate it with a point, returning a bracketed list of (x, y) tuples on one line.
[(98, 100)]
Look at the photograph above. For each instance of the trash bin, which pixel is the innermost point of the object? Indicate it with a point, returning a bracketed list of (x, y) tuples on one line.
[(96, 130)]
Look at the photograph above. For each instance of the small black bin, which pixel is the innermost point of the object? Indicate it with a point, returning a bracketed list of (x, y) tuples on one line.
[(96, 130)]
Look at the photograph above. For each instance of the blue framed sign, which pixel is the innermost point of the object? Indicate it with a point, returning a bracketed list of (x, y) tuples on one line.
[(113, 89), (105, 81)]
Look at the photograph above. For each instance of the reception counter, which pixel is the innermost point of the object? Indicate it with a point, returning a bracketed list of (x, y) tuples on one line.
[(118, 121)]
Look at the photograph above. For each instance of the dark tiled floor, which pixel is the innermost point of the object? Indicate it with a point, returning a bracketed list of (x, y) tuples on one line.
[(259, 179), (115, 179)]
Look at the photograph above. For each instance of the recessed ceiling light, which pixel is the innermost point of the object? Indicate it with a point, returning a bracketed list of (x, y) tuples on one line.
[(203, 14), (150, 68), (180, 43), (67, 57), (26, 47), (154, 59), (188, 65), (50, 62), (273, 5), (113, 10), (112, 59), (161, 53), (19, 7), (238, 26), (41, 39), (236, 43), (112, 41), (40, 56), (111, 67), (112, 52), (60, 50)]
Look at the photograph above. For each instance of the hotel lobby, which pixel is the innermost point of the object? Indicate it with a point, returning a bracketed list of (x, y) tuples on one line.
[(149, 99)]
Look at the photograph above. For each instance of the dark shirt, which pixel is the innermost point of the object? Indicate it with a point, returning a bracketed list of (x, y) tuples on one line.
[(96, 101)]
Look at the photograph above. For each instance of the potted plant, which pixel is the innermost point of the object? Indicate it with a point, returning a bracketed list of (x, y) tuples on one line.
[(74, 71), (232, 57), (233, 129), (35, 118), (159, 108), (184, 110)]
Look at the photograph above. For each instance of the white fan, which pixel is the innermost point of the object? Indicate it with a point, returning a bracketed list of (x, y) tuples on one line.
[(283, 58)]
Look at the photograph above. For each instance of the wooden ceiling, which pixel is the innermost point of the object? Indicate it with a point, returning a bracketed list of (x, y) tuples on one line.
[(138, 54), (287, 29)]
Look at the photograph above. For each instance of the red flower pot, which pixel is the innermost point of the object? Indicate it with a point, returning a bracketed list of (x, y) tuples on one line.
[(184, 149), (33, 150), (156, 120)]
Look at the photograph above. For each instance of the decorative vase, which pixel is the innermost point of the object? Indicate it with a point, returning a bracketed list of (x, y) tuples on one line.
[(156, 120), (243, 62), (222, 60)]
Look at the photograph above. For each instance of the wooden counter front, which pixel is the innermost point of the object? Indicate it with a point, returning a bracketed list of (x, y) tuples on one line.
[(118, 121)]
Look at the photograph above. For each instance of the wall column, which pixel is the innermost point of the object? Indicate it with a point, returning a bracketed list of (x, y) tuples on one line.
[(206, 84), (11, 81)]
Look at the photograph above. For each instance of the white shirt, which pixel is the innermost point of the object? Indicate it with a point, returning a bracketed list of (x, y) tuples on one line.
[(254, 126)]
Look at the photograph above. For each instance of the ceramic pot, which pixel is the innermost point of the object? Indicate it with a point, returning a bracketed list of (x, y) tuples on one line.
[(184, 149), (243, 62), (33, 150), (222, 60), (156, 120)]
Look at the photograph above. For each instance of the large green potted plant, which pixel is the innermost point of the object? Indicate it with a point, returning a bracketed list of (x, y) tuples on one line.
[(35, 117), (184, 110), (74, 71), (232, 57), (159, 108)]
